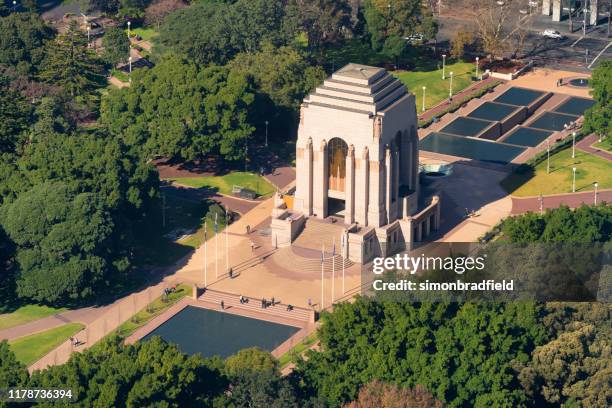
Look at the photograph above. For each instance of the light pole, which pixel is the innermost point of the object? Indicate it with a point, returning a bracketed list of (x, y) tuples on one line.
[(450, 88), (595, 197), (267, 133), (129, 23), (541, 204), (477, 59), (443, 65), (547, 156), (88, 37), (424, 88), (246, 153), (573, 145), (14, 6), (130, 62), (574, 180)]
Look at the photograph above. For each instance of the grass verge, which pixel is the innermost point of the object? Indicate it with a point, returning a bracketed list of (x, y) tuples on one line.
[(153, 309), (224, 184), (589, 168), (292, 355), (146, 33), (605, 144), (27, 313), (32, 348), (437, 88)]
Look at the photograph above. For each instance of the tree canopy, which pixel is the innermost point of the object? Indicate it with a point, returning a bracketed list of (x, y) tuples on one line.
[(180, 111), (397, 19), (584, 224), (23, 40), (213, 32), (70, 64), (116, 46), (62, 244), (15, 116), (598, 119)]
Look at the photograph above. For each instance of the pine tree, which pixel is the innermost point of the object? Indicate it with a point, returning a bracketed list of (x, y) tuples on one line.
[(71, 65)]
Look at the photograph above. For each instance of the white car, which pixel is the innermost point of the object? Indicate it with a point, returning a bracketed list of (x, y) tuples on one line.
[(549, 33)]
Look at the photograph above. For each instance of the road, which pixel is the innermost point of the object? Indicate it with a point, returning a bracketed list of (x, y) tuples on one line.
[(568, 54)]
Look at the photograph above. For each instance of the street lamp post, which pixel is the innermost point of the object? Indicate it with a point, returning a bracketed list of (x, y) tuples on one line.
[(88, 35), (595, 197), (450, 88), (129, 23), (14, 6), (574, 180), (573, 145), (246, 153), (267, 133), (547, 156), (477, 59), (130, 62), (443, 65), (424, 88)]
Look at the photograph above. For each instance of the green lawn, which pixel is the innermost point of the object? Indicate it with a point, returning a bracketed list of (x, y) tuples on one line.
[(30, 349), (590, 168), (181, 215), (437, 88), (155, 308), (27, 314), (120, 75), (292, 355), (224, 184), (605, 144), (146, 33)]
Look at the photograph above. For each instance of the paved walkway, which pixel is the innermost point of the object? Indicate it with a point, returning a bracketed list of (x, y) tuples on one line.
[(281, 177), (572, 200), (85, 315), (586, 145), (439, 108)]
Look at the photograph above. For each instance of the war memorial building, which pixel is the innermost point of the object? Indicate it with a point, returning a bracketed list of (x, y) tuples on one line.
[(357, 164)]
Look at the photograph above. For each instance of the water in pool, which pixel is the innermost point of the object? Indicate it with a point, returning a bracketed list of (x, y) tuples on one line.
[(210, 333)]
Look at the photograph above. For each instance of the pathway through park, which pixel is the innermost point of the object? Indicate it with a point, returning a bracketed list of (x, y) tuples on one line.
[(572, 200)]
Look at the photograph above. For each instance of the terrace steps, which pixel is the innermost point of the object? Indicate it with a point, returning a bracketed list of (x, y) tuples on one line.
[(279, 310), (303, 260)]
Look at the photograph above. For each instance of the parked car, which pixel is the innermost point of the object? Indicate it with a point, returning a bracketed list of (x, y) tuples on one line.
[(549, 33), (414, 38)]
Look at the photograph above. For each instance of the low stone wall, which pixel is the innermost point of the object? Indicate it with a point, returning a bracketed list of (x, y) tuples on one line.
[(513, 119)]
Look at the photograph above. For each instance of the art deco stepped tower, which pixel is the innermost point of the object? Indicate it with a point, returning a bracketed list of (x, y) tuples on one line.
[(357, 149)]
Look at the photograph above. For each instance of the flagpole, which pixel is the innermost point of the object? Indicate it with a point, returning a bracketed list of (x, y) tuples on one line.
[(322, 276), (333, 270), (226, 243), (205, 255), (216, 247), (343, 259)]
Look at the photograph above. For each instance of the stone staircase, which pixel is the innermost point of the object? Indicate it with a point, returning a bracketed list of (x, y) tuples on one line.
[(232, 301), (317, 233), (309, 261)]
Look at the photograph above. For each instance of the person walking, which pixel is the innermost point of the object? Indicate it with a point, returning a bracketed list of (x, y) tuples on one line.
[(222, 305)]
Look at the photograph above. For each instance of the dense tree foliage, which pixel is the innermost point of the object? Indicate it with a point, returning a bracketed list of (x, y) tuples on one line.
[(389, 20), (70, 64), (282, 78), (584, 224), (116, 46), (598, 119), (324, 21), (461, 353), (381, 395), (7, 280), (150, 373), (22, 41), (180, 111), (15, 115), (574, 367), (62, 242), (12, 372), (214, 31)]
